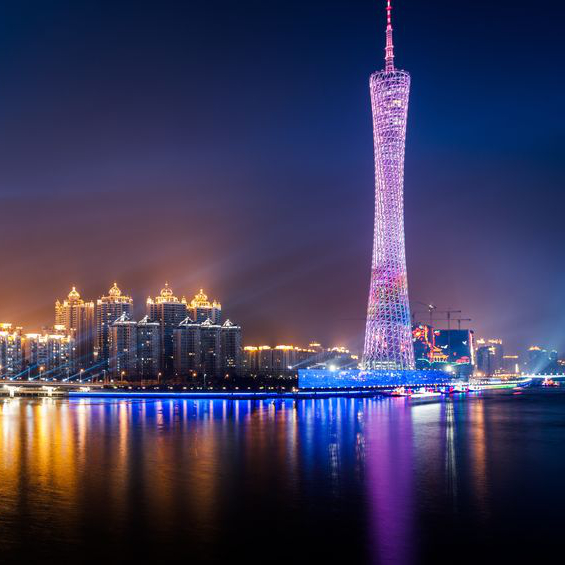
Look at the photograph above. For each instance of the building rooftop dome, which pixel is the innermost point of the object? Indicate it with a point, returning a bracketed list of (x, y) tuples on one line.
[(115, 291), (74, 295), (200, 300), (167, 291)]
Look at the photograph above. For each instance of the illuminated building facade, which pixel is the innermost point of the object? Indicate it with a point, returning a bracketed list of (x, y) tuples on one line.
[(427, 353), (250, 359), (230, 347), (108, 310), (169, 312), (265, 358), (187, 348), (388, 335), (207, 348), (77, 317), (148, 349), (201, 309), (49, 355), (123, 349), (288, 359), (458, 346), (11, 352), (211, 360)]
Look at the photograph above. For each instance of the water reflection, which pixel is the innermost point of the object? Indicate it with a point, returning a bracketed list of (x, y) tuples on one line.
[(390, 482), (365, 480), (450, 455)]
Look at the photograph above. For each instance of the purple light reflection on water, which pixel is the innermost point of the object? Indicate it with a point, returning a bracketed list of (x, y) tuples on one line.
[(390, 482)]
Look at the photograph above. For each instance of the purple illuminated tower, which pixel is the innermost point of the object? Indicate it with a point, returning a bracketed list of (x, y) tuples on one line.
[(388, 336)]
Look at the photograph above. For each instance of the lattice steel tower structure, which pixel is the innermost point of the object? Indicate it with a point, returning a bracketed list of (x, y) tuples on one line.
[(388, 336)]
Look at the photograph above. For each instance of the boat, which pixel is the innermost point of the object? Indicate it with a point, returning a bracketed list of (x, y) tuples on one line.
[(425, 393), (398, 392), (476, 385), (549, 383)]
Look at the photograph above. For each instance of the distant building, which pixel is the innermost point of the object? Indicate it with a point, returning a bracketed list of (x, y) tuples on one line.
[(77, 317), (283, 359), (230, 347), (148, 349), (276, 361), (250, 359), (200, 309), (49, 355), (511, 364), (169, 312), (187, 348), (123, 349), (211, 360), (108, 310), (265, 355), (490, 357), (11, 352), (541, 361)]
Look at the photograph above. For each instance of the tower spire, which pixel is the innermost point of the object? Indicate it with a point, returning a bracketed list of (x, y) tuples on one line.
[(389, 51)]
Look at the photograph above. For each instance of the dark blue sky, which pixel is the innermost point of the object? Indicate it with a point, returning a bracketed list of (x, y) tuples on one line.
[(228, 145)]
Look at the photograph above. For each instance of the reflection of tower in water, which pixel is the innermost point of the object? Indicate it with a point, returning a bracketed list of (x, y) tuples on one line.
[(389, 450)]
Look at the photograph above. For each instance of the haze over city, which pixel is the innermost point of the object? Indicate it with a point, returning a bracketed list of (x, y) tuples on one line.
[(231, 149)]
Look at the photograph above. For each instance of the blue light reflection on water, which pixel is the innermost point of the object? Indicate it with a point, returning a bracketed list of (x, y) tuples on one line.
[(367, 480)]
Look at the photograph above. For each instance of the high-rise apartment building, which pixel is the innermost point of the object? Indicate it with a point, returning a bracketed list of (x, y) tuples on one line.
[(77, 317), (123, 349), (210, 336), (187, 348), (108, 310), (49, 355), (148, 349), (168, 311), (230, 347), (11, 352)]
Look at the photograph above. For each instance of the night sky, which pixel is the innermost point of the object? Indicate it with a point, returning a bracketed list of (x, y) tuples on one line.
[(228, 145)]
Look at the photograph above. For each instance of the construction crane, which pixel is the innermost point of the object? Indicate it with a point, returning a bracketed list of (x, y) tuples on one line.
[(459, 320), (448, 313), (430, 310)]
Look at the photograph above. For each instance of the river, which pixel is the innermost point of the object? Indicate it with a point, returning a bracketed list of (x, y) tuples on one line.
[(373, 480)]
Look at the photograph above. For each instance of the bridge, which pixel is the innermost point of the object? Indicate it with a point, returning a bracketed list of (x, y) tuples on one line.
[(545, 377), (43, 388)]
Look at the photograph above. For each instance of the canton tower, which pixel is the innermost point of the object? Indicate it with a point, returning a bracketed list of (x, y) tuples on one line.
[(388, 335)]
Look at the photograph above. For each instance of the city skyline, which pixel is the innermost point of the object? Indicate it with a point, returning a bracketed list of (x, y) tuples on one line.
[(199, 309), (141, 150), (192, 223)]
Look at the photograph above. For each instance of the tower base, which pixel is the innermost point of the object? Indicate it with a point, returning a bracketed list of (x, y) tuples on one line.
[(357, 378)]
